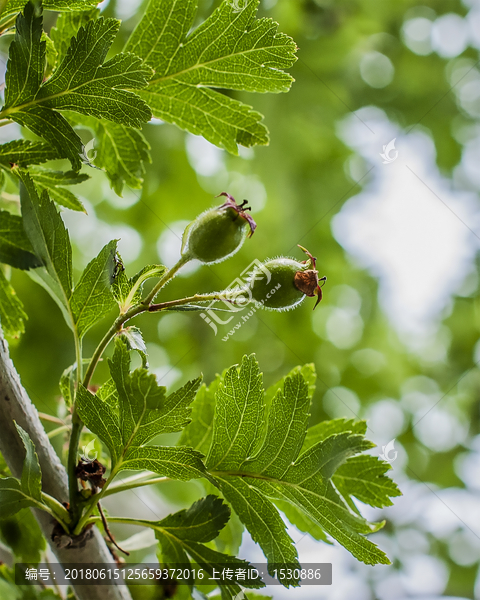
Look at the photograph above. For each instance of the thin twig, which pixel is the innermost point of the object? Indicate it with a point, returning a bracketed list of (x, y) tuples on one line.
[(107, 530), (58, 430), (51, 418)]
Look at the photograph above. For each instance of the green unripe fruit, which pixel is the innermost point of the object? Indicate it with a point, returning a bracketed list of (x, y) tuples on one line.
[(282, 283), (280, 293), (219, 232)]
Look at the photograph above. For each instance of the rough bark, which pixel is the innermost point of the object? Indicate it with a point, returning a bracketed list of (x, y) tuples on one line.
[(15, 405)]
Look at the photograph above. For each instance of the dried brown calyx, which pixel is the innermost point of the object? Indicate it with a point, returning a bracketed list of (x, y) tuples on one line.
[(308, 281), (92, 472), (240, 209)]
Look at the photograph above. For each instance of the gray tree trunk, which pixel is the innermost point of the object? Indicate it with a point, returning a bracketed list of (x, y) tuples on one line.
[(15, 405)]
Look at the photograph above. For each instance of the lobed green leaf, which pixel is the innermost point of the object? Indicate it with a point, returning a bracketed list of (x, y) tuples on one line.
[(82, 82), (24, 152), (129, 416), (92, 298), (182, 536), (364, 477), (230, 50), (50, 241), (26, 62), (52, 181), (259, 467), (67, 26)]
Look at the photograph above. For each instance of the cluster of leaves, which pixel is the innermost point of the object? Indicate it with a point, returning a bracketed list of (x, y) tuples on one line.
[(59, 83), (250, 446)]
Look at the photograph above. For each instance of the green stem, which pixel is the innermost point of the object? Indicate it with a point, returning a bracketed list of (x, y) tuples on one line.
[(77, 427), (57, 509), (78, 358), (170, 274), (114, 329), (123, 318), (51, 418), (124, 520), (196, 298), (54, 512), (94, 500), (58, 430), (134, 482)]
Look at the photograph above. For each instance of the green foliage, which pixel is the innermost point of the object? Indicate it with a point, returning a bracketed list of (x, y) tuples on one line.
[(85, 83), (143, 413), (128, 291), (183, 535), (103, 96), (364, 477), (250, 445), (25, 152), (67, 26), (54, 182), (120, 150), (230, 50), (82, 82), (15, 247), (12, 314), (22, 534), (92, 299), (256, 465), (16, 494), (50, 241)]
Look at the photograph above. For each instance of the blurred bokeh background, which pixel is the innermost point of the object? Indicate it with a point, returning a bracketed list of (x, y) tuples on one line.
[(395, 339)]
